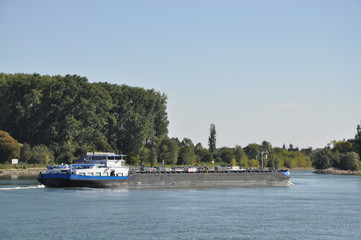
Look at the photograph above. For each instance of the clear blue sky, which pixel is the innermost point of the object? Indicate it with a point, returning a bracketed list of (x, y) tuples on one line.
[(281, 71)]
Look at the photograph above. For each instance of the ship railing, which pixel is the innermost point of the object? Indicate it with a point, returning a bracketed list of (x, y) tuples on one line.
[(82, 166)]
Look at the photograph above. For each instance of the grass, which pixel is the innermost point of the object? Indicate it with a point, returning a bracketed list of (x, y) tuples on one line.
[(6, 166)]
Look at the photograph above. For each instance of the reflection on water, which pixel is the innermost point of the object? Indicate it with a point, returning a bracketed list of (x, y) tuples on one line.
[(14, 177)]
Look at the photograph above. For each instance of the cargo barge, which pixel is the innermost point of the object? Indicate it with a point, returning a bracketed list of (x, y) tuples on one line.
[(101, 170)]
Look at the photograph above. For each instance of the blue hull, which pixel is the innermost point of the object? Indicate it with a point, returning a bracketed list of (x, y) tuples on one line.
[(67, 180)]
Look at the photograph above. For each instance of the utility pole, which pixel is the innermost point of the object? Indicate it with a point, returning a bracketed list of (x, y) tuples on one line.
[(263, 152)]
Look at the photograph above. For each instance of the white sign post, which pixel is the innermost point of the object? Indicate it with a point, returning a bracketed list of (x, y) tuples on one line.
[(15, 161)]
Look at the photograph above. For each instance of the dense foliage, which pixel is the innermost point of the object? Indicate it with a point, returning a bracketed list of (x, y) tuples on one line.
[(274, 157), (340, 154), (9, 147), (39, 154), (212, 138), (58, 118), (71, 116)]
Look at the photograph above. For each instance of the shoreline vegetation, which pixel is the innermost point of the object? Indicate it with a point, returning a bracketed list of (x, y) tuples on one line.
[(48, 120), (56, 119), (336, 171)]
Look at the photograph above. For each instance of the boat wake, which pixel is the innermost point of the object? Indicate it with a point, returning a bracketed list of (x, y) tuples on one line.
[(21, 188), (290, 183)]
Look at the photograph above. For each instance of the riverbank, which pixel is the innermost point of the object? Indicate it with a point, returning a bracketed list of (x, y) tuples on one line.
[(302, 169), (23, 172), (336, 171)]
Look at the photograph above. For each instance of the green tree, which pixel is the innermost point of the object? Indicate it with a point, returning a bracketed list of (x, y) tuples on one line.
[(253, 163), (252, 151), (186, 153), (212, 138), (25, 153), (167, 151), (350, 161), (203, 155), (290, 147), (266, 146), (67, 151), (342, 146), (307, 151), (273, 161), (290, 163), (40, 154), (322, 159), (227, 155), (240, 155), (9, 147), (70, 116), (153, 156), (357, 141)]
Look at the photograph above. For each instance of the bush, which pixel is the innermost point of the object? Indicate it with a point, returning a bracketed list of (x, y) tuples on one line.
[(226, 155), (9, 147), (253, 163), (25, 153), (244, 162), (39, 154), (350, 161), (6, 166), (273, 161), (289, 163), (322, 159)]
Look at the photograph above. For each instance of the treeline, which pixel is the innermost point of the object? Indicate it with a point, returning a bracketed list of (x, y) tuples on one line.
[(59, 118), (65, 116), (343, 154), (173, 151), (254, 154)]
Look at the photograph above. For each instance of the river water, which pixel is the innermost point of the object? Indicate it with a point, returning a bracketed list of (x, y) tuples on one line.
[(313, 207)]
